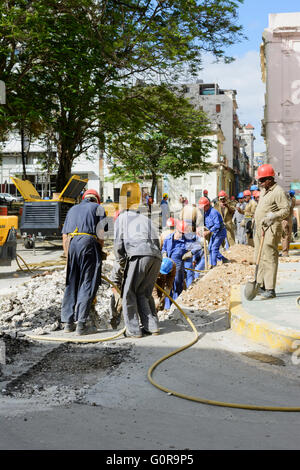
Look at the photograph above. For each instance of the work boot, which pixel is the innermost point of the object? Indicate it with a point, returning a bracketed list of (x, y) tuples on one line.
[(147, 332), (127, 334), (225, 261), (85, 329), (261, 290), (69, 327), (268, 294)]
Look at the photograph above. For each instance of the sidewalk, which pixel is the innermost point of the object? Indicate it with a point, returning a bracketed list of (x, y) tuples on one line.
[(274, 323)]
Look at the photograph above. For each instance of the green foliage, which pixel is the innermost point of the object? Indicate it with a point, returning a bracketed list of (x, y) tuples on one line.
[(65, 63), (160, 133)]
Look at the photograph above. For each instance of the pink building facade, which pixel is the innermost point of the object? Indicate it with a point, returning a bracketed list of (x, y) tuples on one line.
[(280, 64)]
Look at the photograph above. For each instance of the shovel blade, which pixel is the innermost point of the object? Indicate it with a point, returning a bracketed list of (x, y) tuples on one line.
[(251, 289)]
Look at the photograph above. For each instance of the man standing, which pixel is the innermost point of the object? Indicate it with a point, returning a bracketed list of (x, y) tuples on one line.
[(226, 209), (165, 211), (249, 212), (137, 264), (83, 236), (239, 219), (272, 208), (215, 229), (287, 225)]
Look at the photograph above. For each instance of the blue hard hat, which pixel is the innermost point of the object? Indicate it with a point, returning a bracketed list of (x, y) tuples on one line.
[(253, 188), (166, 266), (292, 193), (240, 195)]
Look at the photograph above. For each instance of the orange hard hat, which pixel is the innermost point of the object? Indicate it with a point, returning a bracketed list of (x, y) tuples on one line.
[(256, 193), (92, 192), (265, 171), (182, 226), (203, 202), (222, 194), (247, 192), (170, 222)]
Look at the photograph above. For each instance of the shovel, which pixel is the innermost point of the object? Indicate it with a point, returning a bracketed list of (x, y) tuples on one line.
[(251, 288)]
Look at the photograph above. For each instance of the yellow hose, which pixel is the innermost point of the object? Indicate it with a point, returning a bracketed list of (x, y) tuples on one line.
[(167, 356)]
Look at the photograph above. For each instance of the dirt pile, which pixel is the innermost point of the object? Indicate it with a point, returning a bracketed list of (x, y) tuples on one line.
[(212, 291)]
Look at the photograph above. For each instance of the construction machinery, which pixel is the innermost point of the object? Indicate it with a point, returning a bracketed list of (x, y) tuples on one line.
[(44, 218), (8, 239)]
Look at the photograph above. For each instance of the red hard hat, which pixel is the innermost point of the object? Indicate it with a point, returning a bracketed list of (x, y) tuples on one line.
[(247, 192), (203, 202), (222, 194), (170, 222), (256, 193), (205, 191), (182, 226), (93, 192), (265, 171)]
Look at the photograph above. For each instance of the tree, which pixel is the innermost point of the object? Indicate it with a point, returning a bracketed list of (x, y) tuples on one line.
[(161, 134), (75, 54)]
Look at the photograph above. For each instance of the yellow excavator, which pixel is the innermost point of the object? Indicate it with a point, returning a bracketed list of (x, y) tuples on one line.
[(8, 239)]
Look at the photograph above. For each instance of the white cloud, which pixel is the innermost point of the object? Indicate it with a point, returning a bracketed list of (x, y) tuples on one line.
[(244, 76)]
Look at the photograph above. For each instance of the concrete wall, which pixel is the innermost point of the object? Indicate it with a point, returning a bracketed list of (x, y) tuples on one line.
[(282, 111)]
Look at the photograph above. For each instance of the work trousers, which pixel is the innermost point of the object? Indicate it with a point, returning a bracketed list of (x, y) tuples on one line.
[(178, 281), (83, 278), (215, 242), (286, 235), (137, 301), (240, 234), (230, 236), (189, 275), (268, 266)]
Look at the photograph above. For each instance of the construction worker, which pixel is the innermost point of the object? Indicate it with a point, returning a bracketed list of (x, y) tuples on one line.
[(174, 247), (272, 208), (164, 280), (165, 211), (191, 215), (239, 220), (137, 264), (168, 231), (215, 229), (226, 209), (194, 260), (287, 225), (83, 237), (255, 195), (205, 194), (249, 212)]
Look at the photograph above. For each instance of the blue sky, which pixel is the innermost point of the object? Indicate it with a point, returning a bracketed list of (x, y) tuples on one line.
[(244, 74)]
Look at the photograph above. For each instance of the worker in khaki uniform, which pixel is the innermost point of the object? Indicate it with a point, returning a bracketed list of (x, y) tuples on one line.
[(272, 208), (248, 212), (287, 225), (227, 210)]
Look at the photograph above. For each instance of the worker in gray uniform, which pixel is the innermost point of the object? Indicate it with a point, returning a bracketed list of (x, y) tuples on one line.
[(137, 264), (272, 208)]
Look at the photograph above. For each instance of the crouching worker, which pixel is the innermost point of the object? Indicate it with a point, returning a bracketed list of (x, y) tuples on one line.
[(83, 238), (164, 280), (138, 260)]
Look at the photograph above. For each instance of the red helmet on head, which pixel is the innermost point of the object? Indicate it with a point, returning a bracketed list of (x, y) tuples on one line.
[(265, 171), (222, 194), (203, 202), (182, 226), (247, 192), (205, 191), (256, 193), (171, 222), (92, 192)]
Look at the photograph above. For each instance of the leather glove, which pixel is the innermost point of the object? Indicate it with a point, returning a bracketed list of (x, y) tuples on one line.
[(187, 255), (269, 219)]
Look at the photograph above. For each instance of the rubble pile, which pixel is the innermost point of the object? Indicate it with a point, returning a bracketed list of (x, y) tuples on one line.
[(212, 291), (36, 306)]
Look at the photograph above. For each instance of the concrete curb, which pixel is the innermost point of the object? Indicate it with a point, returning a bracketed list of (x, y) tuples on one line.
[(260, 331)]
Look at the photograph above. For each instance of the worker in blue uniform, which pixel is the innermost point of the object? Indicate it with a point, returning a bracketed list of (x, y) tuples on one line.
[(214, 227), (175, 247), (83, 236)]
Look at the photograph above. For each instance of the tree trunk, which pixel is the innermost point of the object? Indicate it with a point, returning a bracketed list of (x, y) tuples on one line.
[(64, 171), (24, 176)]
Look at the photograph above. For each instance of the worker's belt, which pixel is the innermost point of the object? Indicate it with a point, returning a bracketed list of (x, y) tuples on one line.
[(73, 234)]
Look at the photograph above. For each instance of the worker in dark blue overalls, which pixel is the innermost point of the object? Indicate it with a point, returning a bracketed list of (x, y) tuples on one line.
[(83, 237)]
